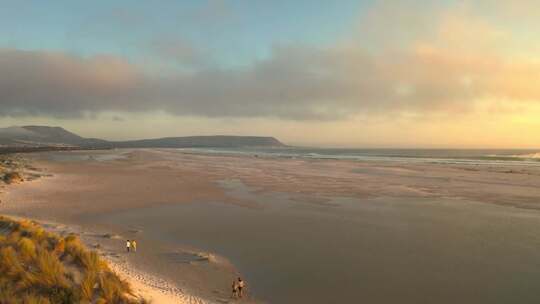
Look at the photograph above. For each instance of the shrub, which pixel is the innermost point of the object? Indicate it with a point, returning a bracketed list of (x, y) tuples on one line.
[(13, 177), (27, 248)]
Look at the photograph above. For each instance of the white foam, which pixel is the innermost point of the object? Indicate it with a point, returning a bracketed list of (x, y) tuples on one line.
[(528, 156)]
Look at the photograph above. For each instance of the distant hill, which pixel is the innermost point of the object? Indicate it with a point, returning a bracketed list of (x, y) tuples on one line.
[(46, 136), (221, 141), (57, 137)]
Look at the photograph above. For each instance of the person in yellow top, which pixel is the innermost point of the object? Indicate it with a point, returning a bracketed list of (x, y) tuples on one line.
[(134, 245)]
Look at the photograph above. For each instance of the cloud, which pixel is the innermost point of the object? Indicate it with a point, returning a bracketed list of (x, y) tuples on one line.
[(34, 82), (445, 62), (295, 83)]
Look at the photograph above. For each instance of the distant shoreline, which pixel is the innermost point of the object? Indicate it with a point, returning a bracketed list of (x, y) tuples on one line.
[(14, 150)]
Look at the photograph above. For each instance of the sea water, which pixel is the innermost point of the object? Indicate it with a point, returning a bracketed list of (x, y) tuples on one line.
[(443, 156), (384, 250)]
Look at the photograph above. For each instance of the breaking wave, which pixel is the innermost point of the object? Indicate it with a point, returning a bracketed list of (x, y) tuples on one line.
[(528, 156)]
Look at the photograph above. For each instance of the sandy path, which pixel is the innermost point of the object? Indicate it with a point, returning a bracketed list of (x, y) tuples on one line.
[(152, 288)]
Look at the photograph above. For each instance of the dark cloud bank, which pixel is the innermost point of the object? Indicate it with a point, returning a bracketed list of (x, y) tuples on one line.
[(294, 83)]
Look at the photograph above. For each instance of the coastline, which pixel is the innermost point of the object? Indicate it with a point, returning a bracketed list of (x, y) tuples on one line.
[(154, 289), (145, 285), (254, 211)]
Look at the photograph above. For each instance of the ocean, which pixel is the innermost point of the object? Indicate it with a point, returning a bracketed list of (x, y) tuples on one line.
[(521, 157)]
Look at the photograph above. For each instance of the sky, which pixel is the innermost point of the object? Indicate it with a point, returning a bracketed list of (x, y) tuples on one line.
[(364, 73)]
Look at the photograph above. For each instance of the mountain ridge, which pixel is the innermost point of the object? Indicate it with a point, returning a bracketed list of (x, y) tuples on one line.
[(47, 136)]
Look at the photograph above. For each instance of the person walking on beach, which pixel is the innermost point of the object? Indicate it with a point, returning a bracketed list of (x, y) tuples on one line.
[(128, 245), (134, 245), (241, 287), (235, 289)]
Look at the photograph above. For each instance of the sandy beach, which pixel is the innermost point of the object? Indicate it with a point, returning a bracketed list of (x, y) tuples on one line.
[(97, 192), (141, 178), (54, 194), (145, 286)]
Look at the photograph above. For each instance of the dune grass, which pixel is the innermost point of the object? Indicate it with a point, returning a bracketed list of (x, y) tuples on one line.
[(37, 266), (11, 169)]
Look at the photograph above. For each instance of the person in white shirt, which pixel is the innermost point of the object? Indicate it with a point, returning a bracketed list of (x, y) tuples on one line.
[(241, 287), (128, 245)]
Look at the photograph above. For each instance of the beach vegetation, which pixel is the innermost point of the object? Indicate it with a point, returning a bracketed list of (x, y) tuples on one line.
[(37, 266), (12, 177)]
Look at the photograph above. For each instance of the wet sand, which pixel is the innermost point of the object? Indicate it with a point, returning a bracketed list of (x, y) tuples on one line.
[(189, 213)]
